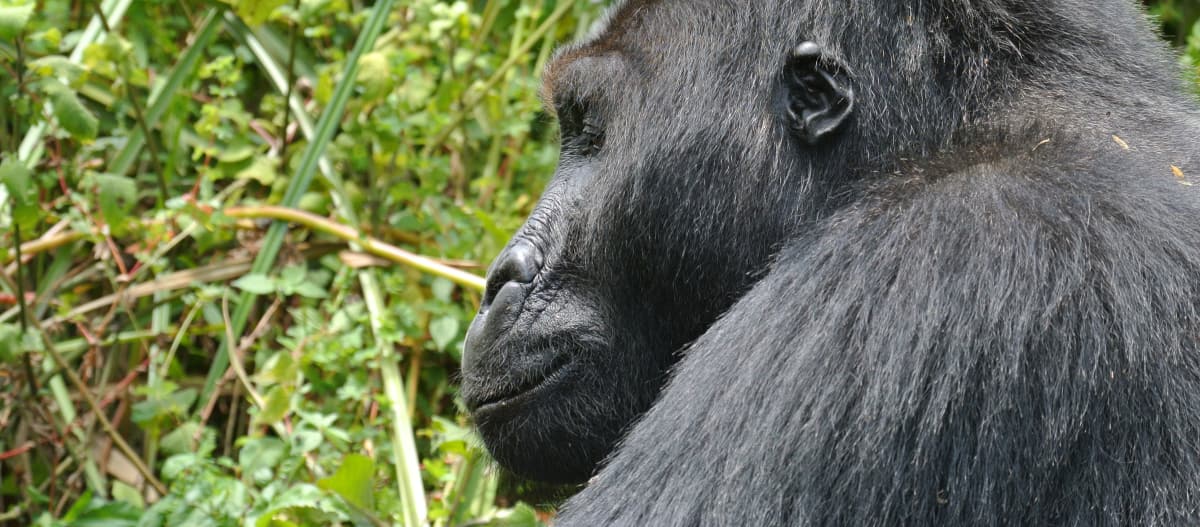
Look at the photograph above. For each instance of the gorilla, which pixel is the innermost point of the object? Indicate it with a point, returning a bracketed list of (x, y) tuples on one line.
[(857, 263)]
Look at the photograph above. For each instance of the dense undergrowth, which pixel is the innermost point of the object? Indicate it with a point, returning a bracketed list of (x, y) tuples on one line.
[(241, 242)]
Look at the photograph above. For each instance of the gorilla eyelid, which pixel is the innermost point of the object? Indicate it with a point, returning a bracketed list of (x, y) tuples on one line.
[(580, 128), (592, 135)]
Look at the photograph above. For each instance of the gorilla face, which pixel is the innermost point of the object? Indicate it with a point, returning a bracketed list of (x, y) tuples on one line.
[(664, 208)]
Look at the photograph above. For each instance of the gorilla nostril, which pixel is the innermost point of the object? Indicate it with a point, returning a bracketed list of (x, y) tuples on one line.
[(520, 263)]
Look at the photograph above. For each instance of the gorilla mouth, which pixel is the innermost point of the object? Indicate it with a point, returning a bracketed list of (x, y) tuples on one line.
[(511, 395)]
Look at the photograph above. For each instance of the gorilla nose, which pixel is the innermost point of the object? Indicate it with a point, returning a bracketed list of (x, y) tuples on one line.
[(519, 263), (507, 286)]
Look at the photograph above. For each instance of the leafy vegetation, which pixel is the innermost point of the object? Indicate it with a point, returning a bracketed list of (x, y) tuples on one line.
[(241, 242)]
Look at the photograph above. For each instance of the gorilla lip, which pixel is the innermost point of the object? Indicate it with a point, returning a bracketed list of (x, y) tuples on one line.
[(524, 388)]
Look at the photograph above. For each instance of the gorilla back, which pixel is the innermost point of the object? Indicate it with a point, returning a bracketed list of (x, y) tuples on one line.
[(857, 262)]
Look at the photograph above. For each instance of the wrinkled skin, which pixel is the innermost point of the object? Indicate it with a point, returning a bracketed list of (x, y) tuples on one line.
[(820, 262)]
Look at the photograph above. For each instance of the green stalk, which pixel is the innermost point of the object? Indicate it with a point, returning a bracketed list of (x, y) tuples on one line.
[(360, 242)]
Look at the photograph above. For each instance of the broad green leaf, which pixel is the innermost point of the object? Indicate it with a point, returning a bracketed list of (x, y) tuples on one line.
[(112, 514), (164, 408), (72, 115), (10, 342), (310, 290), (254, 12), (22, 191), (255, 283), (442, 289), (279, 368), (306, 440), (17, 178), (277, 403), (117, 196), (56, 66), (375, 75), (443, 330), (520, 516), (300, 495), (125, 493), (292, 275), (236, 154), (259, 456), (182, 439), (263, 170), (13, 20), (353, 481)]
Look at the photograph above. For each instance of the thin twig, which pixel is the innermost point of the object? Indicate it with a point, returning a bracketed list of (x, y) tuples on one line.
[(368, 243)]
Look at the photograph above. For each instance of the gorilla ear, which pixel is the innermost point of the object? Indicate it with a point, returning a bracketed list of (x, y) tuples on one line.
[(818, 97)]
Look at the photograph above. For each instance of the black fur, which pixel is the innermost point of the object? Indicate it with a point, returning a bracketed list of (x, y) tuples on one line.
[(977, 303)]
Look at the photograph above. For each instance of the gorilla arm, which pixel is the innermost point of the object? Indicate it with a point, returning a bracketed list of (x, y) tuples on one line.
[(1001, 345)]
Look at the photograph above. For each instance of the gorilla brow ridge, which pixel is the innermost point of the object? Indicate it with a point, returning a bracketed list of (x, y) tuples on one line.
[(602, 37)]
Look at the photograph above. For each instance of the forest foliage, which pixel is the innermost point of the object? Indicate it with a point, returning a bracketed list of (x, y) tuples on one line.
[(241, 242)]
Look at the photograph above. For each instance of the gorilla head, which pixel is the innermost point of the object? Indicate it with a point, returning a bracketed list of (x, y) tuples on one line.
[(901, 236), (677, 181)]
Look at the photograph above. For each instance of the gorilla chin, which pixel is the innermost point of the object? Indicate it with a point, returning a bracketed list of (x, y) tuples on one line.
[(501, 409), (547, 390)]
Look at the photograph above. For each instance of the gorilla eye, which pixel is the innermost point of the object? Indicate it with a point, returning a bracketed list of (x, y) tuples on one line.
[(591, 137), (582, 130)]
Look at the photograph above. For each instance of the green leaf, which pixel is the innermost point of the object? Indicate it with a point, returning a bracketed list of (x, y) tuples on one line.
[(279, 368), (13, 20), (306, 440), (292, 275), (443, 330), (442, 289), (353, 481), (263, 170), (56, 66), (310, 290), (277, 404), (17, 178), (520, 516), (10, 342), (125, 493), (22, 191), (117, 196), (255, 283), (259, 456), (254, 12), (182, 439), (298, 496), (375, 75), (72, 115)]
